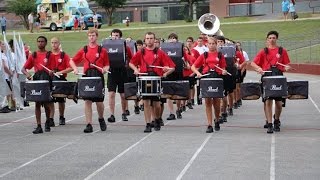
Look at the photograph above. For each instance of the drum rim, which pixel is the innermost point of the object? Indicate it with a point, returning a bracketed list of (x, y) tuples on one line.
[(37, 81), (89, 77), (273, 77), (149, 78), (61, 81), (207, 79)]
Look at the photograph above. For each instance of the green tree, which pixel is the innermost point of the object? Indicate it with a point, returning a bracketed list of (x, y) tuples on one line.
[(22, 8), (110, 7), (190, 7)]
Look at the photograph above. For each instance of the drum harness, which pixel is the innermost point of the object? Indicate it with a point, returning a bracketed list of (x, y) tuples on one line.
[(150, 69), (273, 68), (205, 54), (42, 74), (62, 53), (93, 72)]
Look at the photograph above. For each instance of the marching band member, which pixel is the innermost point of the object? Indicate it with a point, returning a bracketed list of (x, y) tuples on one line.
[(268, 59), (240, 65), (92, 54), (150, 55), (213, 59), (37, 60)]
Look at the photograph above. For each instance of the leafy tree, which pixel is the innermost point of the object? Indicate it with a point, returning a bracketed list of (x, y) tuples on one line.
[(190, 6), (22, 8), (110, 7)]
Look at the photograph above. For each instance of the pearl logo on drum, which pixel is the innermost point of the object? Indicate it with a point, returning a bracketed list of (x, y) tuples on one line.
[(211, 89), (88, 89), (172, 53), (276, 88), (113, 50), (35, 93)]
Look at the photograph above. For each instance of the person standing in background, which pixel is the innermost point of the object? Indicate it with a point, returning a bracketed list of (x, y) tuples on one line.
[(30, 20), (285, 8), (3, 24)]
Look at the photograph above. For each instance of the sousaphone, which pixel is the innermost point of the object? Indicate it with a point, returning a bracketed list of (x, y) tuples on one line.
[(210, 24)]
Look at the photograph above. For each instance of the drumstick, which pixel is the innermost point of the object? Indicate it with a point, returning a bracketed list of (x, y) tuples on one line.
[(50, 71), (285, 65), (99, 68), (267, 71), (160, 67), (142, 73), (81, 73), (222, 70)]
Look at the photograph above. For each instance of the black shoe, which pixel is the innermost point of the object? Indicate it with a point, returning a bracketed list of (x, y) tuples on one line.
[(5, 110), (127, 112), (183, 108), (217, 126), (157, 125), (152, 124), (62, 120), (239, 102), (199, 101), (266, 125), (274, 117), (270, 128), (224, 117), (276, 127), (178, 113), (26, 103), (103, 125), (161, 122), (192, 102), (88, 129), (189, 106), (148, 128), (230, 111), (112, 119), (136, 110), (171, 117), (235, 106), (209, 129), (142, 107), (124, 117), (37, 130), (220, 119), (47, 126), (51, 122)]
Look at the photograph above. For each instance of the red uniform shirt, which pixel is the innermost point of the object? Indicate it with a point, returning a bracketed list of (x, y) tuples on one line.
[(265, 61), (195, 53), (129, 52), (240, 57), (61, 64), (210, 62), (190, 59), (40, 59), (92, 56), (150, 58)]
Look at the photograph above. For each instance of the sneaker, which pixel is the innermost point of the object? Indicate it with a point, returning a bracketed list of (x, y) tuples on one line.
[(47, 126), (274, 117), (235, 106), (142, 107), (171, 117), (270, 128), (276, 127), (239, 102), (37, 130), (199, 101), (178, 112), (124, 117), (5, 110), (220, 119), (51, 122), (103, 125), (127, 112), (217, 126), (183, 108), (189, 106), (152, 124), (224, 117), (230, 111), (161, 122), (62, 120), (148, 128), (112, 119), (209, 129), (136, 110), (192, 102), (157, 125), (26, 103), (266, 125), (88, 129)]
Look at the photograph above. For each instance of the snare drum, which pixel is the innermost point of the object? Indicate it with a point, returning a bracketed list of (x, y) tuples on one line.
[(130, 91), (274, 86), (298, 89), (149, 86), (250, 90), (38, 91), (175, 90), (90, 87), (61, 88), (211, 88)]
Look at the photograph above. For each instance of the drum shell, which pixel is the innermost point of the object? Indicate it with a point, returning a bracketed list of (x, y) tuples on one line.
[(38, 91), (298, 89), (90, 87), (250, 90), (61, 88), (211, 87), (274, 86), (149, 86), (175, 90), (130, 91)]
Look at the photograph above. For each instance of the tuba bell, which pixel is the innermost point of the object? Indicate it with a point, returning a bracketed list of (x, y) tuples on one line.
[(210, 24)]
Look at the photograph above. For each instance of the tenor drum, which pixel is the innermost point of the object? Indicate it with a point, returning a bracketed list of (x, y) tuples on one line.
[(130, 91), (149, 86), (298, 89), (90, 87), (38, 91), (250, 90), (175, 90), (61, 88), (274, 86), (211, 87)]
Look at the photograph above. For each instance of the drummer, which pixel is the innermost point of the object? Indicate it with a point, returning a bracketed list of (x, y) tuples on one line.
[(267, 59), (209, 61), (150, 55), (61, 69), (38, 60), (92, 54)]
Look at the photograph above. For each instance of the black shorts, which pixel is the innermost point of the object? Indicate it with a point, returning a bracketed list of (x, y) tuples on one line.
[(229, 84), (152, 98), (116, 80), (175, 76), (59, 99), (238, 76)]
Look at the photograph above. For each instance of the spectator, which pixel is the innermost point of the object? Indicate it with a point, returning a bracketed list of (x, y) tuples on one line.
[(30, 20), (95, 20), (82, 25), (3, 24), (292, 10), (285, 8), (63, 24), (38, 22), (76, 24)]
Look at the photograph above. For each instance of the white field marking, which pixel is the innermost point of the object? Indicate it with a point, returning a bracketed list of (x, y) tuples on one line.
[(193, 157), (315, 105), (272, 158), (119, 156)]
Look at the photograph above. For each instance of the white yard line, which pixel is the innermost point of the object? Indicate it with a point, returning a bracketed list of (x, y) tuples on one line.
[(272, 158), (315, 105)]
